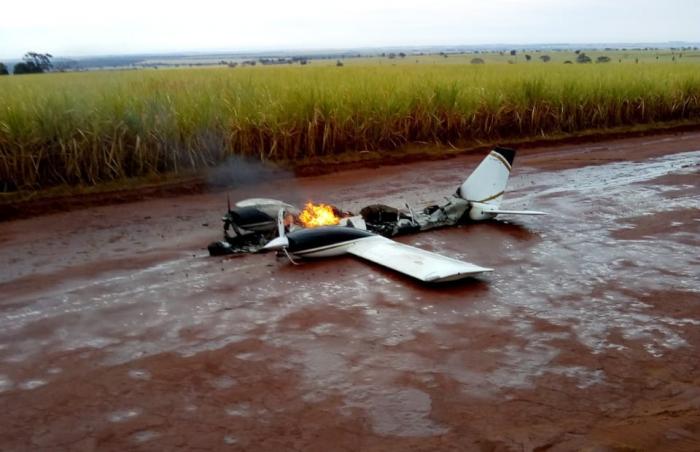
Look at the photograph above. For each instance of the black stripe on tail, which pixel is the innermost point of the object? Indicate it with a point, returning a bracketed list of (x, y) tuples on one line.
[(506, 153)]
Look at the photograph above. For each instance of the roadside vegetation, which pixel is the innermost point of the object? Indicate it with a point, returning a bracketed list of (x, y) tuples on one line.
[(93, 127)]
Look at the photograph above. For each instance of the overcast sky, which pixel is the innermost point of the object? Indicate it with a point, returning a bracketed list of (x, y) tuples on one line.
[(93, 27)]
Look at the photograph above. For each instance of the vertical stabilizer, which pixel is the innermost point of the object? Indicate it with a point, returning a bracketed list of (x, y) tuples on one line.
[(488, 181)]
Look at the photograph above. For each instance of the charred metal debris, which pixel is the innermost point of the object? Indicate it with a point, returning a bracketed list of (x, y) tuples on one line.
[(252, 223)]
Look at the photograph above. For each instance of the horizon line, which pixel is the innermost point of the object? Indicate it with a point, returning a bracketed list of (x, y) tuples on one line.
[(248, 51)]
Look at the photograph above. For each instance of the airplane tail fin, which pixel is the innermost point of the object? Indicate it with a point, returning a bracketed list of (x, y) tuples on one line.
[(488, 181)]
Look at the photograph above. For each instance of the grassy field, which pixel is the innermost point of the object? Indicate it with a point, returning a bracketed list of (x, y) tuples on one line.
[(90, 128), (616, 57)]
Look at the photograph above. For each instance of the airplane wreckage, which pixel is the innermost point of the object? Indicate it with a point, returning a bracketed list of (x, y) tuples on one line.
[(322, 230)]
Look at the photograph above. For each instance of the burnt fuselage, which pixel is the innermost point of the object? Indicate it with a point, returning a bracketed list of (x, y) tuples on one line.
[(249, 218)]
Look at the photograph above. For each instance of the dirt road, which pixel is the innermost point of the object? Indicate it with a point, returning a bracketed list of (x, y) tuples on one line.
[(118, 332)]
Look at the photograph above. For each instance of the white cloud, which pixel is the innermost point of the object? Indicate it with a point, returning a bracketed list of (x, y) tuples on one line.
[(74, 27)]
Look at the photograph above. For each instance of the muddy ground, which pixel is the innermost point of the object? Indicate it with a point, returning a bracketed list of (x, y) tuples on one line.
[(118, 332)]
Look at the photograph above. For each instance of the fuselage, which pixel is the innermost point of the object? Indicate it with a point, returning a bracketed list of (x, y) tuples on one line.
[(325, 241)]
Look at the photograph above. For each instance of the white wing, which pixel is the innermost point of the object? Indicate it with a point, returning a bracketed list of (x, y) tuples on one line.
[(415, 262)]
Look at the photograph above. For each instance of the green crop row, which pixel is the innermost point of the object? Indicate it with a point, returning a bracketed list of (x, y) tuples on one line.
[(87, 128)]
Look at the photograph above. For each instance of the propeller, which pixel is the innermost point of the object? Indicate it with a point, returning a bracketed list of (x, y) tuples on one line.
[(281, 242), (280, 223)]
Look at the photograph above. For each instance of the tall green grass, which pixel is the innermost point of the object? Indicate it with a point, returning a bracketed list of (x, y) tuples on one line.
[(87, 128)]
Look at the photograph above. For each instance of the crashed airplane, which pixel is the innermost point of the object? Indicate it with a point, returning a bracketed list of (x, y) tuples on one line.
[(323, 230)]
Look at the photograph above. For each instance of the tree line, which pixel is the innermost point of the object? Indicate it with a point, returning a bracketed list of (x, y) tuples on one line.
[(32, 63)]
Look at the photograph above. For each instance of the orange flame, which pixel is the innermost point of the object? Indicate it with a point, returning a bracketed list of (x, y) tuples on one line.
[(315, 215)]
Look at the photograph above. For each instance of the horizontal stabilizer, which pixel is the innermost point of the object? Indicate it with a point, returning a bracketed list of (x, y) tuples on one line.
[(517, 212), (481, 211), (414, 262)]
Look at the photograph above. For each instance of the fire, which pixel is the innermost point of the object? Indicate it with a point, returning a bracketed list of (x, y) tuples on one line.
[(315, 215)]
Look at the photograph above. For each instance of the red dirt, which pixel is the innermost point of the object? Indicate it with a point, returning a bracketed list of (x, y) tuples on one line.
[(118, 332)]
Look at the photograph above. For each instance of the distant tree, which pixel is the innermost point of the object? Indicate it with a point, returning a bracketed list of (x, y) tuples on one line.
[(513, 52), (568, 62), (577, 52), (636, 60), (545, 58), (528, 57), (34, 63), (339, 63), (392, 55), (3, 69), (602, 59), (583, 58), (22, 68), (402, 55), (477, 61)]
